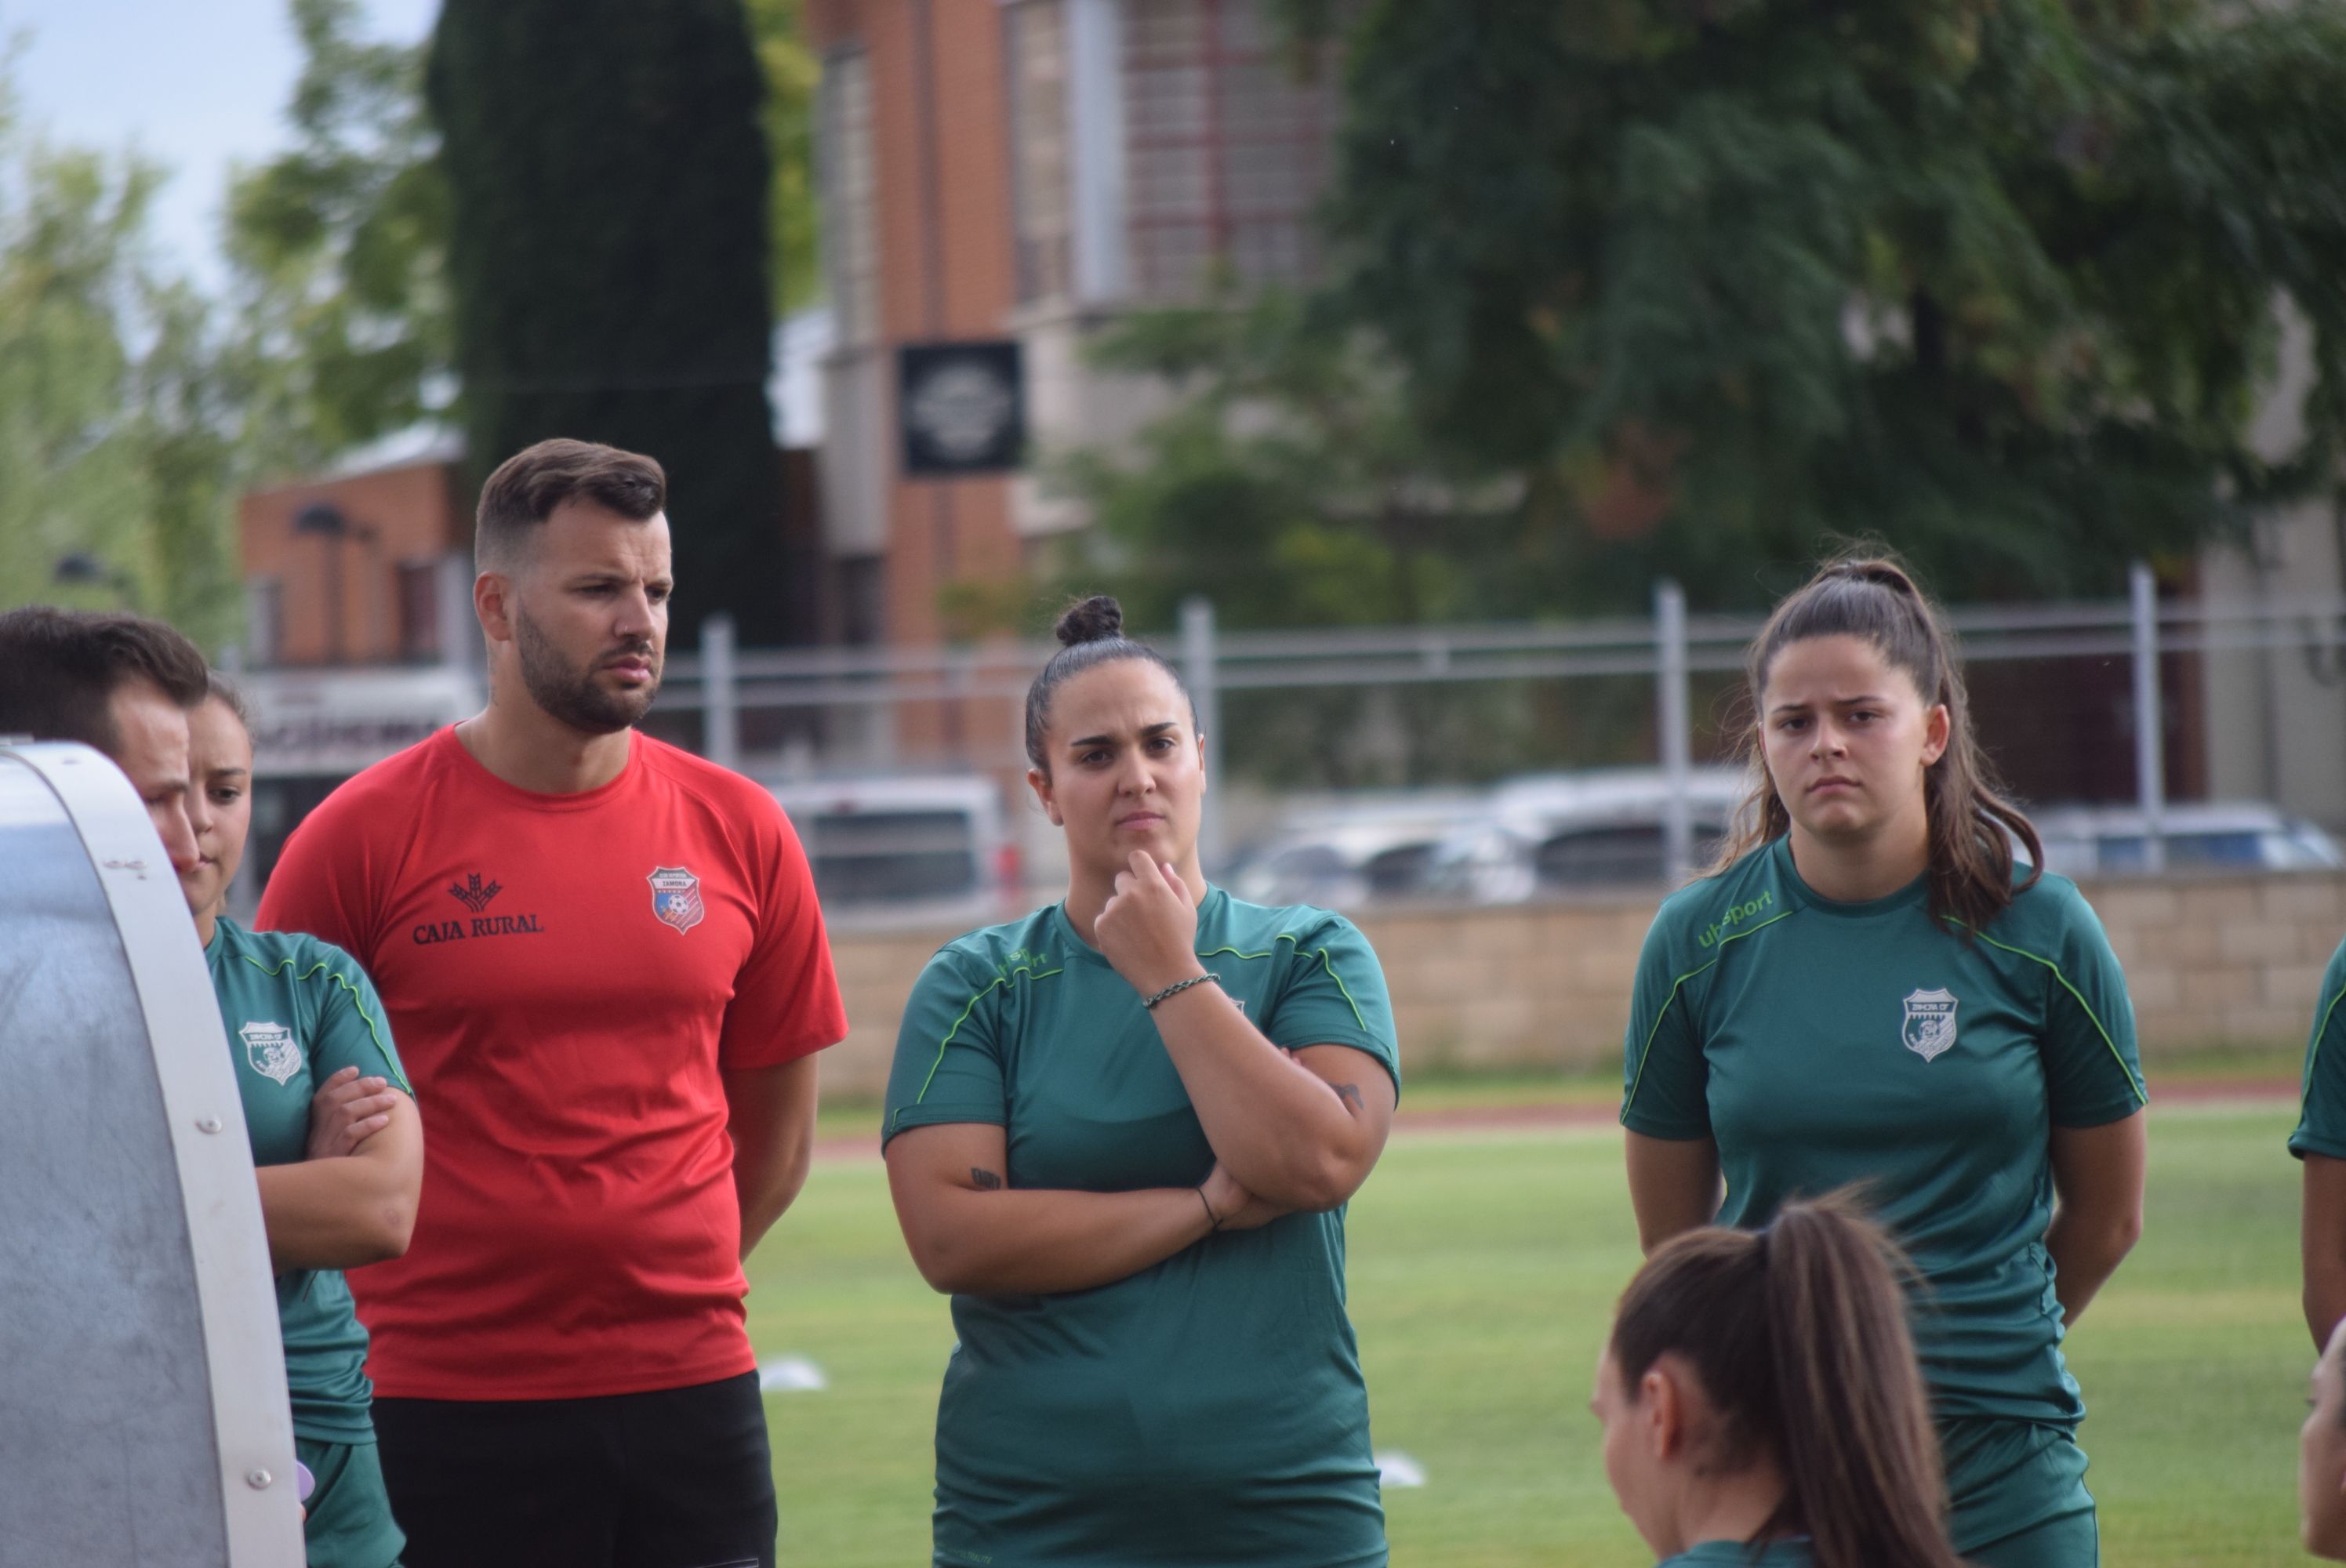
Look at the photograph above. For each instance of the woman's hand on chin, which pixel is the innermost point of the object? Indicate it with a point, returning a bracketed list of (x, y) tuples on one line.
[(1149, 932)]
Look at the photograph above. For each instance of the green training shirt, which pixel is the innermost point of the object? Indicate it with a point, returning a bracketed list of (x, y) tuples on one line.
[(1210, 1408), (1823, 1043), (299, 1011), (2322, 1115)]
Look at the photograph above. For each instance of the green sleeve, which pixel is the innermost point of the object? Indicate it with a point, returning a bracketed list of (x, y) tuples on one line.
[(1335, 996), (948, 1065), (350, 1028), (2322, 1118), (2093, 1073), (1665, 1079)]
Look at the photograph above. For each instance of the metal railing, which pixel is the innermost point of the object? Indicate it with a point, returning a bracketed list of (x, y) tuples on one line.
[(721, 681)]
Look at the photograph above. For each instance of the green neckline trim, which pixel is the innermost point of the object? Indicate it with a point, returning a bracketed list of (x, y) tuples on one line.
[(2133, 1078), (357, 1003), (1646, 1053), (1327, 961)]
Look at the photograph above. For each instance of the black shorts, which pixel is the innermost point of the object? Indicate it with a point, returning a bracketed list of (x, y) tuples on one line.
[(680, 1477)]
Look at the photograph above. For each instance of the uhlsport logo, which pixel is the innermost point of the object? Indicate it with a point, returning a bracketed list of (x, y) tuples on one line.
[(1735, 915), (273, 1051), (1930, 1026), (676, 898)]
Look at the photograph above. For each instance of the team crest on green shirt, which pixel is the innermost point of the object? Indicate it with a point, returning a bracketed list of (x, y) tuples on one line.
[(271, 1050), (1930, 1026)]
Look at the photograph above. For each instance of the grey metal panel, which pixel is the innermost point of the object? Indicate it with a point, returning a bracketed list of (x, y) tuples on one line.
[(141, 1383)]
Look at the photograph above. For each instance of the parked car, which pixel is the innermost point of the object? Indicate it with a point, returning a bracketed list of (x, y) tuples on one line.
[(926, 847), (1537, 834), (1601, 828), (1339, 852), (2244, 836)]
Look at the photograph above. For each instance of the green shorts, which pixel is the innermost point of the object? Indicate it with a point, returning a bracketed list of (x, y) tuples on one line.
[(349, 1523), (2018, 1491)]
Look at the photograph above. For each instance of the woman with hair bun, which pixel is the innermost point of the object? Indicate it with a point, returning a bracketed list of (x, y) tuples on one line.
[(1867, 989), (1761, 1405), (1120, 1133)]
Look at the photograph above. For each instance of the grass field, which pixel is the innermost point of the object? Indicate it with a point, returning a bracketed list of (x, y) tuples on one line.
[(1482, 1268)]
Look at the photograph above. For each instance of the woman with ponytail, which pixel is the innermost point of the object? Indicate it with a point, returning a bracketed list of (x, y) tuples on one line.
[(1761, 1404), (1868, 988), (1120, 1133)]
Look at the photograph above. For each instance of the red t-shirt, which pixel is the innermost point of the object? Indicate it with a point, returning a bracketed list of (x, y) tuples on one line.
[(566, 976)]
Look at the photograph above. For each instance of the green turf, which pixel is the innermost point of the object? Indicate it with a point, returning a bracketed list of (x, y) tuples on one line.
[(1483, 1269)]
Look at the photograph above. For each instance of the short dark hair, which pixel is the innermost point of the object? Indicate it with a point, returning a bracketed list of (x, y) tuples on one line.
[(527, 486), (60, 668)]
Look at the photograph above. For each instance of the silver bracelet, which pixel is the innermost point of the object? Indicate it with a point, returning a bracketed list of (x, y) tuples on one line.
[(1150, 1002)]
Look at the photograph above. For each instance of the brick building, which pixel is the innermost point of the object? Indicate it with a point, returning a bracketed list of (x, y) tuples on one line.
[(1024, 170), (364, 565)]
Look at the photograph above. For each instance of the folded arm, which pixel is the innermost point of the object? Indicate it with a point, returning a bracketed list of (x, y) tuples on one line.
[(340, 1211), (1302, 1129), (971, 1233)]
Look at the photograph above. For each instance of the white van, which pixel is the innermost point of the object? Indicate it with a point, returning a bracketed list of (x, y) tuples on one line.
[(906, 848)]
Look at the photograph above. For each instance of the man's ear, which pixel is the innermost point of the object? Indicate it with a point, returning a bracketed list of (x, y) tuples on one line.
[(493, 605)]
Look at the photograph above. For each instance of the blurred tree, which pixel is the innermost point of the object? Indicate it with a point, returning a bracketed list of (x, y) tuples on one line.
[(115, 459), (1717, 283), (1289, 486), (337, 248), (793, 75), (2002, 284), (608, 183), (338, 245), (1288, 483)]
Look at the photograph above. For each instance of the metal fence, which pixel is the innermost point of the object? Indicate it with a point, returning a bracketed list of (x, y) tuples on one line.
[(721, 682)]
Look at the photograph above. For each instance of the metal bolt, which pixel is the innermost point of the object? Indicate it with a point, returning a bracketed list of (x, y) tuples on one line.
[(258, 1480), (209, 1124)]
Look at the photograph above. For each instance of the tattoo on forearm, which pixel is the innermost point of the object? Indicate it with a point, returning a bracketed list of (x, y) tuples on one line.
[(986, 1180), (1350, 1094)]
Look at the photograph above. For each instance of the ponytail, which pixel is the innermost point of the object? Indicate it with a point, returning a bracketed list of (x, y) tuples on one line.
[(1798, 1335)]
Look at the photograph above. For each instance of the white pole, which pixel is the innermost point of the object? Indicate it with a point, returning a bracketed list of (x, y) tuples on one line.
[(720, 718), (1198, 673), (2149, 739), (1670, 721)]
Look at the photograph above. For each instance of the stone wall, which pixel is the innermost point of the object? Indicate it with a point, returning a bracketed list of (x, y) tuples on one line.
[(2232, 962)]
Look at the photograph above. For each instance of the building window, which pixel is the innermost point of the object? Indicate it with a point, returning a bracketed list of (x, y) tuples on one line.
[(851, 195), (1228, 146), (1034, 52), (418, 591), (264, 620)]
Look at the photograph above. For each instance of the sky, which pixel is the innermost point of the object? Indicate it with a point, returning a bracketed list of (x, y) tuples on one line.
[(194, 84), (200, 86)]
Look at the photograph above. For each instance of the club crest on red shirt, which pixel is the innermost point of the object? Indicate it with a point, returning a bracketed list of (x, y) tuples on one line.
[(676, 898)]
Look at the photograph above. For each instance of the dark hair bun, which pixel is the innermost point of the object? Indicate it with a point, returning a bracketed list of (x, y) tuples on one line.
[(1093, 620)]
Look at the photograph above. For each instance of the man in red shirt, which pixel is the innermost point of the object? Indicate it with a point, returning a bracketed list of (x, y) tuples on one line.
[(607, 974)]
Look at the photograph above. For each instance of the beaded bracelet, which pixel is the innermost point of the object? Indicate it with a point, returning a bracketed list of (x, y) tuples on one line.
[(1178, 986)]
